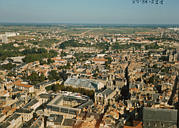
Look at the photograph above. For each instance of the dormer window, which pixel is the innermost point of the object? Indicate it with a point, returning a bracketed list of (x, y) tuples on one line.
[(163, 125), (155, 124), (148, 124)]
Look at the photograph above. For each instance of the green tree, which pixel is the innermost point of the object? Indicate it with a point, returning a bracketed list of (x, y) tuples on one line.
[(8, 66), (63, 54), (42, 62), (49, 61), (11, 74), (56, 87), (53, 75), (36, 78)]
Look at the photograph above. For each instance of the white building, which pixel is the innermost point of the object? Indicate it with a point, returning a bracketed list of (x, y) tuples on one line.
[(14, 121), (5, 36), (33, 104), (26, 114)]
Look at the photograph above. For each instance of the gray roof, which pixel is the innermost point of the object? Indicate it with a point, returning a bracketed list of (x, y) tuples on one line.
[(164, 115), (156, 96), (62, 109), (56, 118), (72, 98), (13, 117), (45, 96), (31, 103), (83, 83), (19, 102), (107, 92), (4, 124), (89, 103), (22, 110), (45, 83), (69, 122)]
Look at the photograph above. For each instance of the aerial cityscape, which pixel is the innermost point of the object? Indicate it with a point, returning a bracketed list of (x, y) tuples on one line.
[(79, 69)]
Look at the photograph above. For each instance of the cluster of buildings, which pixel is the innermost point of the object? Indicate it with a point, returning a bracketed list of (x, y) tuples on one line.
[(132, 87), (4, 37)]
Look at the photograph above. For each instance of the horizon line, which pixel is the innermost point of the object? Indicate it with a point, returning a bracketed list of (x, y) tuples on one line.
[(89, 23)]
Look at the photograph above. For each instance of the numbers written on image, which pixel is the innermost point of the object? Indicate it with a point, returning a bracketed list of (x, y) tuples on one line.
[(148, 1)]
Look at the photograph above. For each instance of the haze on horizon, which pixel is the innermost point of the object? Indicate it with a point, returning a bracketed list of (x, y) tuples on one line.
[(88, 11)]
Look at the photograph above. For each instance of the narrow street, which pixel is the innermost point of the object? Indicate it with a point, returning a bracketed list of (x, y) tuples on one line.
[(101, 116)]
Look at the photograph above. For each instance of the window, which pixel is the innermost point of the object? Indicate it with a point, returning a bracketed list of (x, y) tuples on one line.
[(148, 124)]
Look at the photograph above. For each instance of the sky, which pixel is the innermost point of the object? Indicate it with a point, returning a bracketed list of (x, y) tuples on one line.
[(88, 11)]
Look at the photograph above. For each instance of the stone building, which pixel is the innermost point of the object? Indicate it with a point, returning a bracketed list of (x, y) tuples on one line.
[(159, 118), (105, 96)]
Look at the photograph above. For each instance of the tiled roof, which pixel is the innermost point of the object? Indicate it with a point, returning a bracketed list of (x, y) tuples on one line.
[(18, 83), (99, 59)]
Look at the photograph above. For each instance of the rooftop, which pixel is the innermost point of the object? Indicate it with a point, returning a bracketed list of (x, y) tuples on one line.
[(21, 110), (82, 83), (31, 103), (19, 83), (55, 118), (4, 124), (107, 92), (99, 59), (68, 103), (69, 122), (166, 115), (13, 117)]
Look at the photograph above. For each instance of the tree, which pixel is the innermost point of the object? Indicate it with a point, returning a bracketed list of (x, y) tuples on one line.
[(48, 88), (35, 78), (11, 74), (8, 66), (68, 66), (53, 75), (63, 54), (42, 62), (95, 75), (49, 61), (70, 43), (37, 54), (63, 75), (56, 87), (41, 50)]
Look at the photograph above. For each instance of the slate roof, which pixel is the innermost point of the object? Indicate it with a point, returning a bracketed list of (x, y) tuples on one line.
[(22, 110), (19, 102), (82, 83), (56, 118), (107, 92), (4, 124), (13, 117), (46, 96), (31, 103), (164, 115), (69, 122), (89, 103)]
